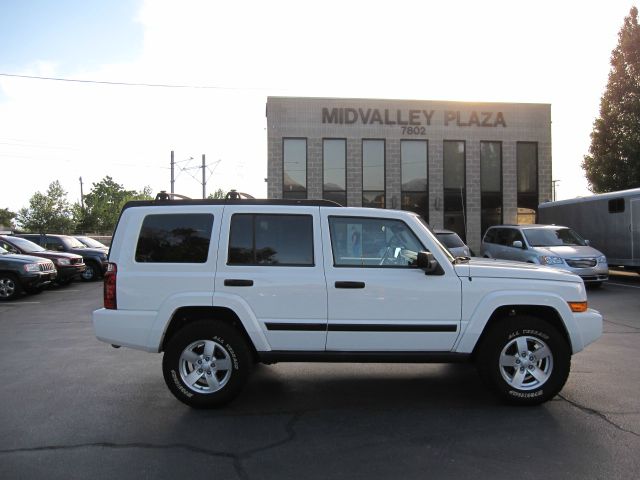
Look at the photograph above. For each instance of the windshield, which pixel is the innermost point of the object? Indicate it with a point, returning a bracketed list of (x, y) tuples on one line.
[(71, 242), (26, 245), (553, 237), (90, 242), (435, 238), (450, 240)]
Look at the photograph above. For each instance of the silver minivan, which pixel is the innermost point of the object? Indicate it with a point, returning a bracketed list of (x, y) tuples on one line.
[(551, 245)]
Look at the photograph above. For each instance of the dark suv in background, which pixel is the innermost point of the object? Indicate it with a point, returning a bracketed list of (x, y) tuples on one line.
[(95, 259), (69, 265), (20, 273)]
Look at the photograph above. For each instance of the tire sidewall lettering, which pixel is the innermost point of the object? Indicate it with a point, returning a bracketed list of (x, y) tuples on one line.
[(229, 348), (519, 394), (178, 384), (527, 332)]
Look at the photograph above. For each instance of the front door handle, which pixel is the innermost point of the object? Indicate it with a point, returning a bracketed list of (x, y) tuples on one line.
[(349, 284), (232, 282)]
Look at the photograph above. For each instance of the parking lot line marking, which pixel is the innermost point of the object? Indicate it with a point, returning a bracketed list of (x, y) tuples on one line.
[(622, 285)]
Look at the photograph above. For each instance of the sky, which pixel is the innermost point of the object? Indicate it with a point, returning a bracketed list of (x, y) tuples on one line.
[(220, 61)]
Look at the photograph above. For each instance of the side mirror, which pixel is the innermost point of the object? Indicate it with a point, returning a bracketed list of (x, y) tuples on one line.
[(587, 242), (429, 264), (517, 244)]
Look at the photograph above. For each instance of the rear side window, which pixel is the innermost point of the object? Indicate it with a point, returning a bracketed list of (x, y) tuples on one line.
[(616, 205), (490, 236), (271, 240), (175, 238)]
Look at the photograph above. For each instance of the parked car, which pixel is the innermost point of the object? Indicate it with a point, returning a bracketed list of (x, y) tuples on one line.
[(69, 265), (220, 285), (95, 259), (91, 242), (23, 273), (453, 242), (552, 245)]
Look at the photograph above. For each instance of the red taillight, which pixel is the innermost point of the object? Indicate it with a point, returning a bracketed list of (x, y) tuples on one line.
[(110, 300)]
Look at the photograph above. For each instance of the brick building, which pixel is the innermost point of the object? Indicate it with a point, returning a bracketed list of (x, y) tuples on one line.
[(462, 166)]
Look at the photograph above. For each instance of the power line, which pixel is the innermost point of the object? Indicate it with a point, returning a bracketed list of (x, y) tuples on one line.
[(131, 84)]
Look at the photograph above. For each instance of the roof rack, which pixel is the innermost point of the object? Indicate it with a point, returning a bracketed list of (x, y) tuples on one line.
[(232, 198), (164, 196)]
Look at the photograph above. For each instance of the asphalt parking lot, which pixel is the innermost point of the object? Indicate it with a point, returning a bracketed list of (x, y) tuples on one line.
[(73, 407)]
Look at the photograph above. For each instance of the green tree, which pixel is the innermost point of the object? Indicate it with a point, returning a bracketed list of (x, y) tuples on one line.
[(613, 162), (48, 212), (6, 217), (219, 194), (104, 203)]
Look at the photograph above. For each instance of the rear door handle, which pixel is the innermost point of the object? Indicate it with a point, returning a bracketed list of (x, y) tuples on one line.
[(232, 282), (349, 284)]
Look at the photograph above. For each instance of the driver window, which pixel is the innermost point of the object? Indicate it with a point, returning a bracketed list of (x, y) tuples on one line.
[(372, 242), (7, 247), (53, 244)]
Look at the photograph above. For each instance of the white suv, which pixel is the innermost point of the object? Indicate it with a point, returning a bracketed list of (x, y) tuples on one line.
[(221, 285)]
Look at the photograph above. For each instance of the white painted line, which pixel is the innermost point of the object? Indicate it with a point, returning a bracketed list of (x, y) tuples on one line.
[(621, 285)]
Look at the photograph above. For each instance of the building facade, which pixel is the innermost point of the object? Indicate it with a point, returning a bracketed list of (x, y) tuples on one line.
[(461, 166)]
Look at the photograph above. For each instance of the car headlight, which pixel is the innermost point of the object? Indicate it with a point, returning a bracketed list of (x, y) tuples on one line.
[(602, 259), (31, 267), (63, 261), (548, 260)]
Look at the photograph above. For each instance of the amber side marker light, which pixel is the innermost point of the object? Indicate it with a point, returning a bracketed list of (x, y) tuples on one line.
[(578, 307)]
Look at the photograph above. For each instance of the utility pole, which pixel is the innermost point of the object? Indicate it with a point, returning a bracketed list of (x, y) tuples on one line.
[(554, 182), (204, 179), (81, 195), (173, 181)]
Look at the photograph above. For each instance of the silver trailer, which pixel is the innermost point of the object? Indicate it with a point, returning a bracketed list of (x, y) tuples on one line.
[(611, 222)]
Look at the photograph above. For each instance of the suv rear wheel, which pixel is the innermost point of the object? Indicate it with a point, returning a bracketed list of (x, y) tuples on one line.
[(90, 273), (206, 364), (524, 359)]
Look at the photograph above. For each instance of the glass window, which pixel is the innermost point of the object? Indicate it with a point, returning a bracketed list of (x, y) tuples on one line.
[(372, 242), (450, 240), (294, 151), (490, 184), (454, 187), (334, 155), (175, 238), (616, 205), (373, 173), (282, 240), (413, 162), (553, 237), (527, 160), (54, 243), (490, 236)]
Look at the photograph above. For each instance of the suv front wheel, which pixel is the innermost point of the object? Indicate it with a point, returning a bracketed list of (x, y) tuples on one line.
[(524, 359), (206, 364)]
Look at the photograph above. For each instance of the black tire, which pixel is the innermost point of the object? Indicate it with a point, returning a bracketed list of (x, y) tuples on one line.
[(230, 350), (533, 379), (91, 272), (10, 287)]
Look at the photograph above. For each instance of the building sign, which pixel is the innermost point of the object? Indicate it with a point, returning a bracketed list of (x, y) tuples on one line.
[(412, 118)]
